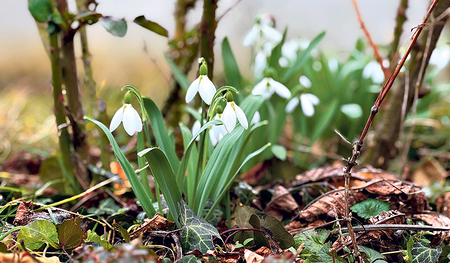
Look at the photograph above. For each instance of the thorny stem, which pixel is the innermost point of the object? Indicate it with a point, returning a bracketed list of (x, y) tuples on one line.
[(375, 49), (351, 162)]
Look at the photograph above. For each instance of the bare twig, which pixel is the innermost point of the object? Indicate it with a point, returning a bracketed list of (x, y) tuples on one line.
[(392, 227), (228, 10), (374, 47), (351, 162)]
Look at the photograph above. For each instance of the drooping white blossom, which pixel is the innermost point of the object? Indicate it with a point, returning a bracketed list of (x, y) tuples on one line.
[(262, 30), (230, 113), (267, 87), (204, 86), (129, 116), (307, 101), (373, 70)]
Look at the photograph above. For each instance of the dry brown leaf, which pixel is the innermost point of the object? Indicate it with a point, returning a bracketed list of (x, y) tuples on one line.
[(443, 204), (282, 203), (428, 172), (156, 223), (437, 220), (25, 258)]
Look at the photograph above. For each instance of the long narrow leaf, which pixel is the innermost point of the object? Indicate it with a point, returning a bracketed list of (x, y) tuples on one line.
[(159, 130), (191, 180), (232, 74), (179, 76), (302, 57), (163, 174), (138, 188), (324, 120)]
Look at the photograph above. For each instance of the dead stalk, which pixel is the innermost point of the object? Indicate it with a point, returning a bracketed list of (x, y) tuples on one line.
[(351, 162)]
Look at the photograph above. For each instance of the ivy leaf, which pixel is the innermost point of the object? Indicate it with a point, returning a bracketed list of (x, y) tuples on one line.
[(422, 253), (117, 27), (196, 232), (370, 207), (314, 241), (70, 233), (324, 256), (188, 259), (41, 10), (150, 25), (372, 255), (38, 233)]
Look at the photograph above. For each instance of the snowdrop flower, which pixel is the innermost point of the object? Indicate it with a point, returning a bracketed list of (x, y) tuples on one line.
[(195, 128), (256, 118), (129, 116), (305, 82), (352, 110), (290, 48), (373, 70), (216, 133), (268, 86), (263, 27), (202, 85), (230, 113), (307, 101), (260, 64)]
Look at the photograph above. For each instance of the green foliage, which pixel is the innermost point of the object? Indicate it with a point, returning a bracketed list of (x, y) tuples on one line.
[(150, 25), (324, 256), (279, 152), (231, 68), (38, 233), (117, 27), (70, 233), (196, 233), (41, 10), (420, 252), (179, 76), (370, 207), (123, 232), (313, 240), (372, 256), (188, 259), (93, 237)]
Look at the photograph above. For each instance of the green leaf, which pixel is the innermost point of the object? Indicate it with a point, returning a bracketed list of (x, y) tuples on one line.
[(150, 25), (280, 234), (38, 233), (89, 17), (196, 232), (179, 76), (373, 256), (279, 152), (163, 174), (191, 182), (370, 207), (302, 58), (422, 253), (161, 135), (232, 74), (41, 10), (324, 120), (117, 27), (93, 237), (188, 259), (324, 256), (313, 240), (123, 232), (70, 233), (276, 54), (246, 218), (138, 188)]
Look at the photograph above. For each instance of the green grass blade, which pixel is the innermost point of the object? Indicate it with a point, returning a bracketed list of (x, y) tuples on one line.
[(179, 76), (161, 135), (324, 120), (191, 180), (163, 174), (302, 58), (136, 184), (232, 74)]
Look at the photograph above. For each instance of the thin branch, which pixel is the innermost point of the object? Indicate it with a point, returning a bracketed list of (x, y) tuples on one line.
[(228, 10), (374, 47)]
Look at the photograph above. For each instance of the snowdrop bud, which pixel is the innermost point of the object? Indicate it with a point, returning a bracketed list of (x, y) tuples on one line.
[(128, 98), (229, 96), (219, 109), (203, 69)]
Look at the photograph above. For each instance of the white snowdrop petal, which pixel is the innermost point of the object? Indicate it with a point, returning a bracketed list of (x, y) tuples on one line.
[(307, 106), (312, 98), (117, 119), (352, 110), (137, 120), (292, 104), (271, 33), (212, 136), (305, 81), (192, 90), (250, 38), (260, 64), (229, 118), (241, 117), (128, 120), (206, 90), (280, 89), (195, 128), (283, 62), (260, 87), (256, 118)]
